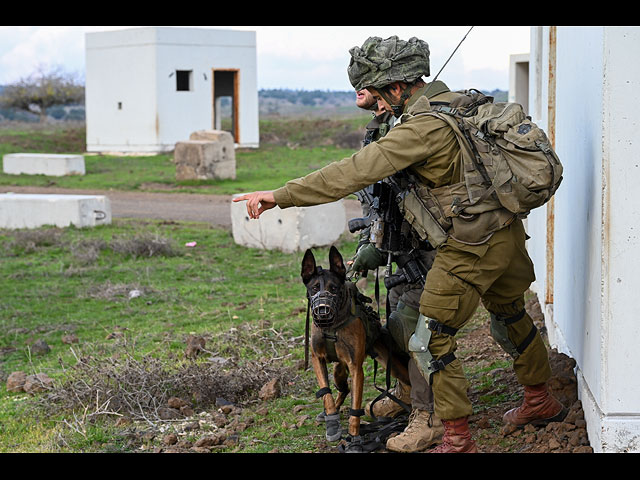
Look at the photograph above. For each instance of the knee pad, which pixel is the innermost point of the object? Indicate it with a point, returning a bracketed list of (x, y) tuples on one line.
[(401, 325), (500, 333), (419, 348)]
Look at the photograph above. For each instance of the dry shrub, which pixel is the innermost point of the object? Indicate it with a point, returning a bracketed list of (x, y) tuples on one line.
[(139, 388), (29, 241), (144, 245)]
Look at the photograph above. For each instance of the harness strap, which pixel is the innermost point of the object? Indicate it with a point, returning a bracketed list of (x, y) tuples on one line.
[(441, 328), (442, 362), (525, 343), (306, 335), (512, 319), (386, 392)]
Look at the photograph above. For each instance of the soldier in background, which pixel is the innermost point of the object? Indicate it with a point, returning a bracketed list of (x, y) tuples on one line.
[(424, 428)]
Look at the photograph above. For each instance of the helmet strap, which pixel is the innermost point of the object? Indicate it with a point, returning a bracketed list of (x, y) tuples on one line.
[(398, 109)]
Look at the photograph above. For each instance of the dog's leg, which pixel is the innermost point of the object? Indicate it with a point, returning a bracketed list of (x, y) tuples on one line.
[(322, 375), (340, 377), (357, 383)]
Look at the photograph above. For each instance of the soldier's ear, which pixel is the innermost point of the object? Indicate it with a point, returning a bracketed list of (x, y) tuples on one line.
[(336, 263), (308, 266)]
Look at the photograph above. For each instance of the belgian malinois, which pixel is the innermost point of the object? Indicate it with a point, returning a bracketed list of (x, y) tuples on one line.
[(339, 334)]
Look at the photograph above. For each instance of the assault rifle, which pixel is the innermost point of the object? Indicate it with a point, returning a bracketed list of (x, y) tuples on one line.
[(384, 221)]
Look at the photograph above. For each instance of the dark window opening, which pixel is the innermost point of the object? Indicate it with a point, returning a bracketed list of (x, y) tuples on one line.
[(183, 80)]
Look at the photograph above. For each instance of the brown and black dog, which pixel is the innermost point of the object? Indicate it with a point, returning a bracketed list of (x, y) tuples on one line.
[(339, 334)]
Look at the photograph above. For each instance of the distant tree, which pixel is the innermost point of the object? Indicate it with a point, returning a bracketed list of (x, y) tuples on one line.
[(42, 90)]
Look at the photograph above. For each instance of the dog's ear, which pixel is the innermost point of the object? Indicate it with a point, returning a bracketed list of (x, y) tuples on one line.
[(308, 266), (336, 263)]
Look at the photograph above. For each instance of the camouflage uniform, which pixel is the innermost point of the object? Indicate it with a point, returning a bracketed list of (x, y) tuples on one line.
[(498, 271)]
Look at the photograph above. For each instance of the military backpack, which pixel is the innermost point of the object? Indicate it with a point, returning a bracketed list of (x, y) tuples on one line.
[(509, 168)]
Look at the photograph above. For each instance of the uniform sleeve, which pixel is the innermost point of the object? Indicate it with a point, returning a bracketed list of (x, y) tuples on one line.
[(399, 149)]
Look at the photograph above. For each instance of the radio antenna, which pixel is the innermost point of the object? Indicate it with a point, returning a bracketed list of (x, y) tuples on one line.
[(445, 63)]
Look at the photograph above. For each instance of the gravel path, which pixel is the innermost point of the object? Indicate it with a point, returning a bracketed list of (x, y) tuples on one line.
[(195, 207)]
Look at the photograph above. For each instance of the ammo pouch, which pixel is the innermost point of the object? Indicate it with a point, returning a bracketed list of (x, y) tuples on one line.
[(437, 213)]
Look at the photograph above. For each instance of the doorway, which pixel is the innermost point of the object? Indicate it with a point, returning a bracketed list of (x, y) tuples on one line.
[(225, 101)]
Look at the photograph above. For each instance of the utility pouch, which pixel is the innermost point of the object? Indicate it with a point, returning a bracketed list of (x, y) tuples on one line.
[(422, 211)]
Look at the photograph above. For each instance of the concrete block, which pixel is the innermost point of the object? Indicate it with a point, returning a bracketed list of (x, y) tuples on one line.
[(18, 210), (291, 229), (208, 154), (55, 165)]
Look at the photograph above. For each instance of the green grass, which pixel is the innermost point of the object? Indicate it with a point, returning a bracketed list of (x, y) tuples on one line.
[(266, 168), (60, 281), (262, 169)]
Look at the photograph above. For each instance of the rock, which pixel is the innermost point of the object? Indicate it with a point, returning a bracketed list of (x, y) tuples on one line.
[(210, 441), (16, 381), (195, 345), (40, 347), (38, 383), (70, 338), (270, 390), (170, 439), (177, 403), (166, 413)]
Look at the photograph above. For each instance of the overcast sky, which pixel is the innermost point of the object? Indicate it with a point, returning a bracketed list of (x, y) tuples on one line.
[(296, 57)]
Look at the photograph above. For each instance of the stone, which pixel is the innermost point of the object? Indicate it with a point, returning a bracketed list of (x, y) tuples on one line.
[(16, 381), (290, 230), (206, 159), (39, 347), (38, 383), (55, 165), (195, 345), (269, 390)]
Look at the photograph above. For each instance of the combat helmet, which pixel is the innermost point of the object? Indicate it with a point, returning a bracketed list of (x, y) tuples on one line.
[(381, 62)]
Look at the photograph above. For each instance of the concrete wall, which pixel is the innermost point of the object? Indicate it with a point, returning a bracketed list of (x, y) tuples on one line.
[(132, 104), (595, 218)]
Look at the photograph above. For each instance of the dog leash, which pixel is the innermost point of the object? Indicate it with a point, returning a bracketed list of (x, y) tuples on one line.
[(306, 336)]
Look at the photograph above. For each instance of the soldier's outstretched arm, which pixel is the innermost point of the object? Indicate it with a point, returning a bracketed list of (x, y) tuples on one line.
[(257, 202)]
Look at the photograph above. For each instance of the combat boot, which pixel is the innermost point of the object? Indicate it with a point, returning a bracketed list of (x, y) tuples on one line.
[(386, 407), (538, 408), (423, 431), (457, 437)]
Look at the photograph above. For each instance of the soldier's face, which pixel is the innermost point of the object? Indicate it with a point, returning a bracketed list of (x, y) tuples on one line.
[(382, 103), (364, 99)]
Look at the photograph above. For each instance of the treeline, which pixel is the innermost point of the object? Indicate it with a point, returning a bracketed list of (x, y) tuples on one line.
[(307, 97), (327, 97)]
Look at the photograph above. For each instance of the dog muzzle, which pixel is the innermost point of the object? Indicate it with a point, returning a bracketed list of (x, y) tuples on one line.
[(324, 309)]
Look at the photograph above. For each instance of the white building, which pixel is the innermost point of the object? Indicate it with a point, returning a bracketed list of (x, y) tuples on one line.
[(148, 88), (583, 90)]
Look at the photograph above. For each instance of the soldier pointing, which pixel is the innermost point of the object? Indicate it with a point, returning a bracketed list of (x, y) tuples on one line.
[(481, 256)]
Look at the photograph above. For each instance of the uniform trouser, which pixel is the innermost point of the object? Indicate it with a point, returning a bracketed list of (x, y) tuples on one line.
[(421, 393), (497, 272)]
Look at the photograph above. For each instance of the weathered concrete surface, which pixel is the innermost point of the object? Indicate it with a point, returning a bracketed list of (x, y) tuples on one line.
[(291, 229), (33, 210), (208, 154), (51, 164)]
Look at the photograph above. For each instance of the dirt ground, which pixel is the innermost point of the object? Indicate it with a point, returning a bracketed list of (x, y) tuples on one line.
[(491, 435)]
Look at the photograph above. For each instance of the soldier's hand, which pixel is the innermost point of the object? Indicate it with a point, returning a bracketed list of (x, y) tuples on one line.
[(257, 202), (368, 257)]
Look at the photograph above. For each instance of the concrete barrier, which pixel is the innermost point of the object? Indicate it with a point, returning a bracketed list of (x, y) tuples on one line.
[(208, 154), (55, 165), (18, 210), (291, 229)]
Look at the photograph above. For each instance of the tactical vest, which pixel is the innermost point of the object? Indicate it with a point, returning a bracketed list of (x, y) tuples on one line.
[(509, 168)]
